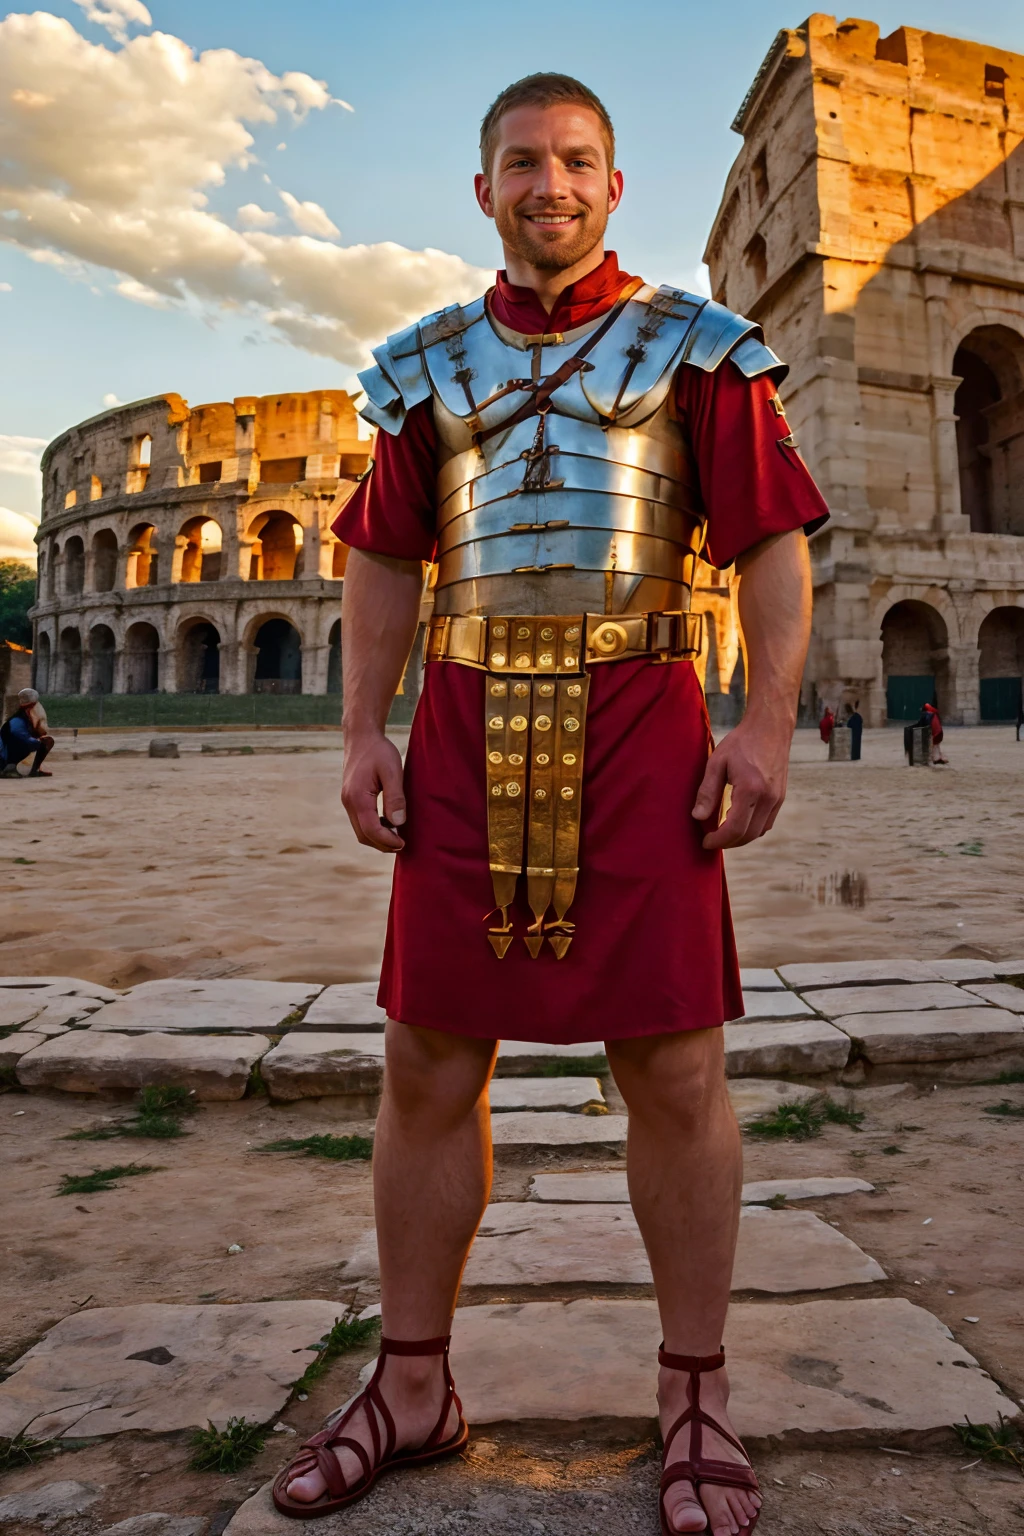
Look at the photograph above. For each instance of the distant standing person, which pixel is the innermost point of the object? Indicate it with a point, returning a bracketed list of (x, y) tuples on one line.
[(24, 733), (826, 725), (930, 717), (855, 721)]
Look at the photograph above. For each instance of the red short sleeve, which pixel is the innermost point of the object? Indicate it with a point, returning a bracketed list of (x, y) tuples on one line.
[(393, 511), (752, 485)]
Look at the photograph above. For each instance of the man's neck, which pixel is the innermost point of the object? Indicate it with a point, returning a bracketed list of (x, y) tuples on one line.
[(547, 284)]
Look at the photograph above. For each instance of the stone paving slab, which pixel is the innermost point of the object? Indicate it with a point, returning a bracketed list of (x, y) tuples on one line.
[(49, 1503), (512, 1093), (520, 1058), (15, 1046), (539, 1130), (535, 1243), (774, 1005), (347, 1005), (754, 1096), (63, 986), (18, 1008), (89, 1375), (950, 1034), (87, 1061), (837, 1001), (206, 1006), (805, 1048), (1001, 994), (755, 979), (611, 1189), (860, 1372), (844, 973), (323, 1065)]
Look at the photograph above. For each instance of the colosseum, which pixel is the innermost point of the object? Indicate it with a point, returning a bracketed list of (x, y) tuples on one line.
[(190, 551)]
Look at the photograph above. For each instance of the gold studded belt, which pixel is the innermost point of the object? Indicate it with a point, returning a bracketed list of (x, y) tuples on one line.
[(536, 711)]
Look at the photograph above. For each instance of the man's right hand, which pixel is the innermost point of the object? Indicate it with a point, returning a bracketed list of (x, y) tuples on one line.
[(373, 765)]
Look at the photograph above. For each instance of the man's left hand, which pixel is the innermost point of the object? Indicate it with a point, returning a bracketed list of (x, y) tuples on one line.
[(754, 760)]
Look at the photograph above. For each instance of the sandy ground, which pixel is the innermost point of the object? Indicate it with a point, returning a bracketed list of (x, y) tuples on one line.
[(164, 1237), (122, 868)]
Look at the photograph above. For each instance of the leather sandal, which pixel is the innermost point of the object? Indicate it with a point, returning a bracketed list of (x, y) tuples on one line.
[(317, 1452), (698, 1469)]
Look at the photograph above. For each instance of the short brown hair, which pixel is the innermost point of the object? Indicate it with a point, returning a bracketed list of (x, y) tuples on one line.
[(542, 90)]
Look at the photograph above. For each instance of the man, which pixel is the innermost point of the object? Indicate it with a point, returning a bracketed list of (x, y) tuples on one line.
[(855, 721), (930, 717), (24, 733), (561, 448)]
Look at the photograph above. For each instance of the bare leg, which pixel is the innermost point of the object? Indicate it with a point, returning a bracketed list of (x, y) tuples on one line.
[(431, 1181), (685, 1177), (42, 751)]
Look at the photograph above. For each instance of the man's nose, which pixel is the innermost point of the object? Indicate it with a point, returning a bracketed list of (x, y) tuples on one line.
[(551, 180)]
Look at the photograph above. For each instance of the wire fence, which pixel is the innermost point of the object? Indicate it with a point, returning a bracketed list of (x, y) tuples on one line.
[(140, 711)]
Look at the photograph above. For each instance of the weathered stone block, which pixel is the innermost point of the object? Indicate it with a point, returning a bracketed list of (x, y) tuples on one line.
[(61, 986), (321, 1065), (521, 1058), (512, 1093), (206, 1006), (849, 972), (774, 1005), (943, 1035), (611, 1188), (809, 1049), (347, 1006), (836, 1001), (753, 979), (517, 1133), (87, 1061), (90, 1374), (15, 1046), (1001, 994)]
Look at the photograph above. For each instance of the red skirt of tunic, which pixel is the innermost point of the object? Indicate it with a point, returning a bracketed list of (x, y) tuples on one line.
[(653, 951)]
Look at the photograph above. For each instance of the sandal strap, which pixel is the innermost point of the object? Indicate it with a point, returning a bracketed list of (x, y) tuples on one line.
[(693, 1363), (415, 1346), (720, 1474)]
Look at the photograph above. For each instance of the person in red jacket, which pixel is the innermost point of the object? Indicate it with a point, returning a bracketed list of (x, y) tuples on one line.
[(563, 448), (930, 717)]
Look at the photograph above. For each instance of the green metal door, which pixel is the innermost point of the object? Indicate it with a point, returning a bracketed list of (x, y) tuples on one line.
[(906, 696), (1000, 698)]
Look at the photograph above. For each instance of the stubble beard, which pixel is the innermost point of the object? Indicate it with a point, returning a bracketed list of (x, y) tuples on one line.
[(528, 243)]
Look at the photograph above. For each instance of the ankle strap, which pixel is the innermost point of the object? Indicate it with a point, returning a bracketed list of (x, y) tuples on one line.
[(696, 1363), (415, 1346)]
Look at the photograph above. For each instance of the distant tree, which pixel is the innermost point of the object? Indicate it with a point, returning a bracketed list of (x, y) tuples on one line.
[(17, 594)]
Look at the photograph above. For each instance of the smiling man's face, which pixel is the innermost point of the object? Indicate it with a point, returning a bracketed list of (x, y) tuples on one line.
[(550, 188)]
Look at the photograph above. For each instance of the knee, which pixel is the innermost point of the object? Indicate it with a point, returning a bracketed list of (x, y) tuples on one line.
[(675, 1078), (430, 1073)]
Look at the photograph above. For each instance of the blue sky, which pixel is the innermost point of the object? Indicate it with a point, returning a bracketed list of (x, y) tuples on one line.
[(398, 168)]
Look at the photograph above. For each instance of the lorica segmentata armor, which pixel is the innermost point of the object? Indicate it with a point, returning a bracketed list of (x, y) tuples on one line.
[(569, 525)]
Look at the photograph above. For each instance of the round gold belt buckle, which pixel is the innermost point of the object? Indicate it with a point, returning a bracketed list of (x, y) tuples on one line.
[(609, 639)]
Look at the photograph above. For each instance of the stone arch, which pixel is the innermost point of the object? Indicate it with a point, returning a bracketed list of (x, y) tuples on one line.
[(1001, 663), (201, 541), (277, 650), (143, 565), (915, 659), (141, 658), (989, 410), (104, 560), (198, 649), (276, 540), (334, 658), (102, 655), (41, 658), (69, 661), (74, 565)]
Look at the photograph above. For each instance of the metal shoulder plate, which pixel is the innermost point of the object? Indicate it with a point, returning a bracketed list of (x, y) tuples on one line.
[(718, 334), (400, 379)]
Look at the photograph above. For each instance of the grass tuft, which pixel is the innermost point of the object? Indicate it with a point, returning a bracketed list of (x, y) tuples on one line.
[(1005, 1079), (802, 1122), (572, 1066), (999, 1443), (342, 1149), (1016, 1111), (101, 1178), (776, 1203), (159, 1115), (19, 1451), (228, 1449), (167, 1099), (347, 1333)]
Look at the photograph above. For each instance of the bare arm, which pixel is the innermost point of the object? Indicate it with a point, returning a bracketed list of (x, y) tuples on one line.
[(775, 612), (379, 615)]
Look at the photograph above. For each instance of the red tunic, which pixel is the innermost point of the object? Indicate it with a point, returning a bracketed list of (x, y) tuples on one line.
[(653, 950)]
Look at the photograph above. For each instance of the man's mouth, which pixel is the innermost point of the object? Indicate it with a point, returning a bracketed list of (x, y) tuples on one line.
[(548, 219)]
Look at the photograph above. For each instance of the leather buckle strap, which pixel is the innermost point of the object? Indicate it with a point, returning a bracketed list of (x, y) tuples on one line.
[(415, 1346), (560, 645), (693, 1363)]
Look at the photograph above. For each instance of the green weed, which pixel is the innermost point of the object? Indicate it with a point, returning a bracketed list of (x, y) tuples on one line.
[(343, 1149), (256, 1088), (347, 1333), (572, 1066), (228, 1449), (803, 1121), (101, 1178), (1016, 1111), (975, 848), (1004, 1079), (158, 1118), (776, 1203), (167, 1099), (18, 1452), (1002, 1443)]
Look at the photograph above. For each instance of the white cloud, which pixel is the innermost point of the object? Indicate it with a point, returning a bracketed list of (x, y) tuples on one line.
[(309, 218), (20, 455), (6, 288), (116, 15), (700, 280), (110, 399), (252, 216), (17, 536), (114, 169)]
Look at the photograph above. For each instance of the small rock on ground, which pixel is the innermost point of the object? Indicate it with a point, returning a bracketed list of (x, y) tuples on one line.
[(53, 1501)]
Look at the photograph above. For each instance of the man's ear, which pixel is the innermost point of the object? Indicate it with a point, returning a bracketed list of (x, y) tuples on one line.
[(482, 187), (614, 191)]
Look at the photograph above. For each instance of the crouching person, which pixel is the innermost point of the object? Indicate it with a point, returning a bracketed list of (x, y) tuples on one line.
[(23, 734)]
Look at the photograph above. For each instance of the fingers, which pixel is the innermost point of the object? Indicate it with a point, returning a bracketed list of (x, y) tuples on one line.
[(751, 814), (393, 791), (709, 796)]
